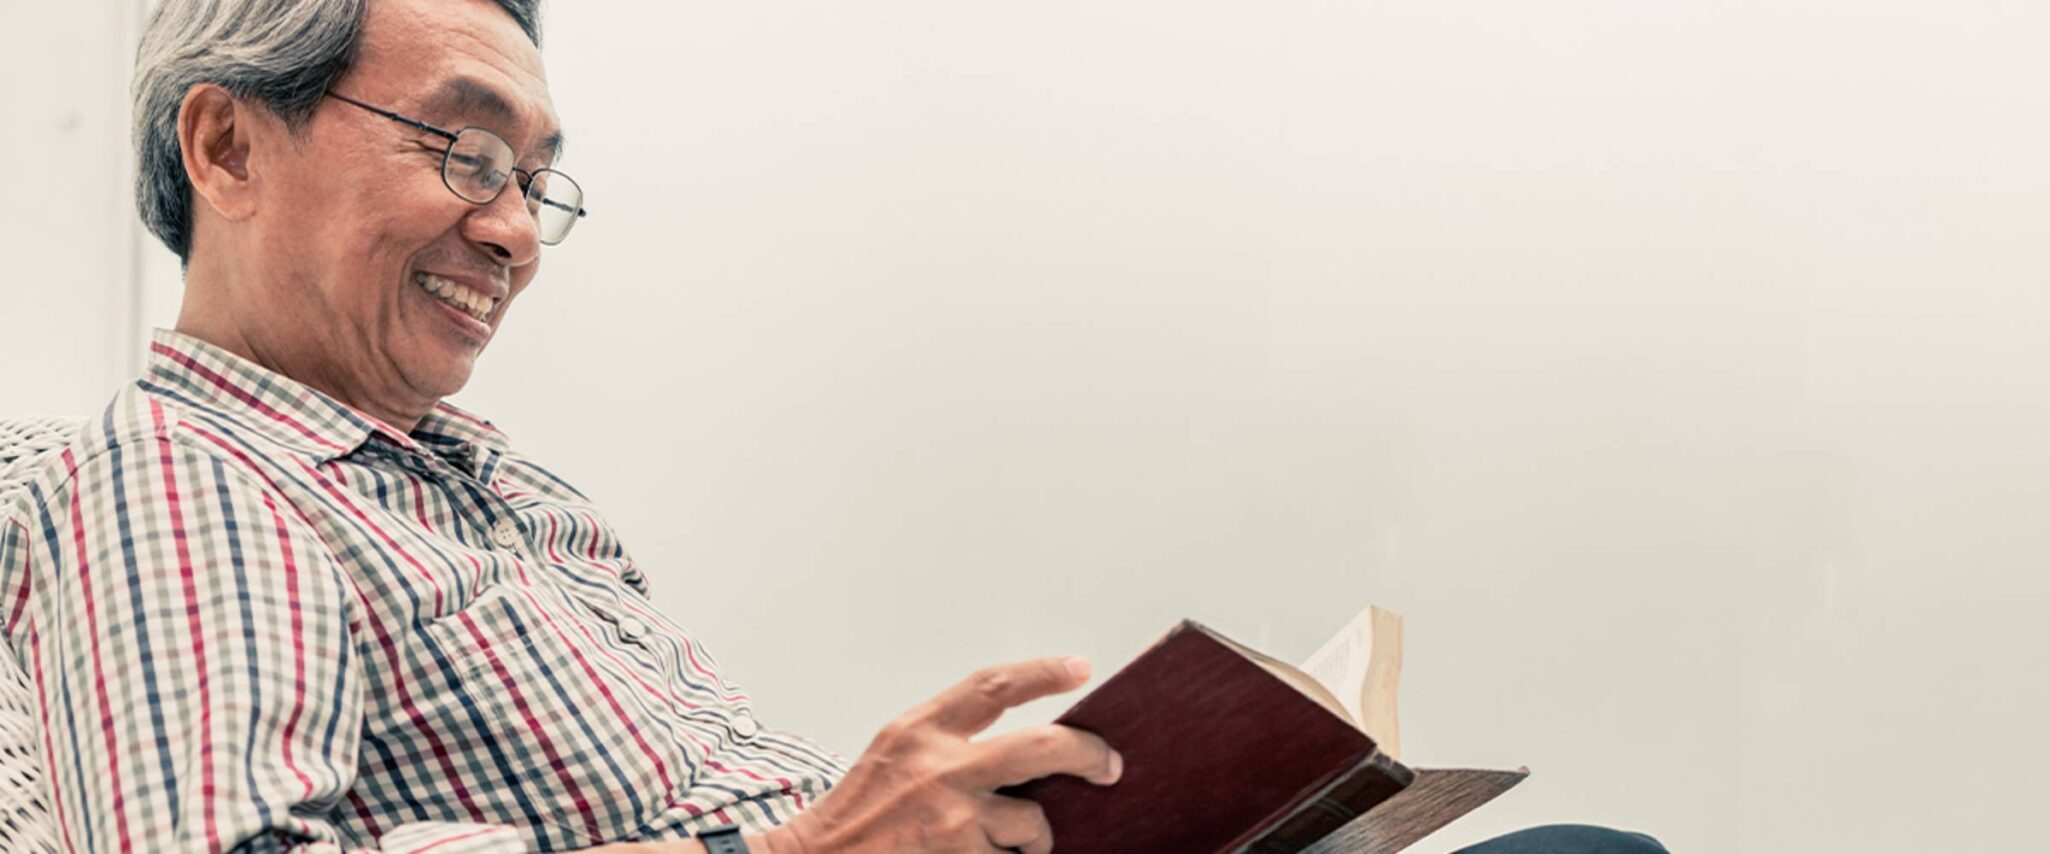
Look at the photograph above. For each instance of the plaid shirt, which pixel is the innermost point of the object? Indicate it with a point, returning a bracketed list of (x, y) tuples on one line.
[(256, 617)]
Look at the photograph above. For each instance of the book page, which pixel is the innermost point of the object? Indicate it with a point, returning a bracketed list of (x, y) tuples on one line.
[(1295, 678), (1341, 663), (1362, 666)]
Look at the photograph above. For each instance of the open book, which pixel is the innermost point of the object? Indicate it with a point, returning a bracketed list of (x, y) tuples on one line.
[(1230, 750)]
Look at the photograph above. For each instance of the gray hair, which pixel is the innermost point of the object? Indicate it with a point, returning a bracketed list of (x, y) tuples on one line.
[(282, 54)]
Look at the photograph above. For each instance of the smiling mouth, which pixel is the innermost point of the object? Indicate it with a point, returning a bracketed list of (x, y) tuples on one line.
[(456, 296)]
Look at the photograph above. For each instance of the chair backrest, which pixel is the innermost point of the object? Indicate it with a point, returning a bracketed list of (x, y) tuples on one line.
[(25, 820)]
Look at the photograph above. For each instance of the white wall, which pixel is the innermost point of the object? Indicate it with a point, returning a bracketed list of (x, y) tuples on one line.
[(66, 324), (1678, 368)]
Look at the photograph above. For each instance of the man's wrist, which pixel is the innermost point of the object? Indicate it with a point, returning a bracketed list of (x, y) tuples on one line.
[(775, 841)]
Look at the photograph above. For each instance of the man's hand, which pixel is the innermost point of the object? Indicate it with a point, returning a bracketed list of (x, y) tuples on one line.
[(923, 786)]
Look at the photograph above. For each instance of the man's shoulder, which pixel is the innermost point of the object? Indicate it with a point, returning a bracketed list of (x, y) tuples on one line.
[(123, 425), (143, 426)]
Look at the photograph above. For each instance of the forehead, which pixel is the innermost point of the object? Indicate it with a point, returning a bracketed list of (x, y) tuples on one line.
[(459, 61)]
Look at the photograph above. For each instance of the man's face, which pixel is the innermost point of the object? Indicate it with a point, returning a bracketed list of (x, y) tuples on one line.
[(381, 286)]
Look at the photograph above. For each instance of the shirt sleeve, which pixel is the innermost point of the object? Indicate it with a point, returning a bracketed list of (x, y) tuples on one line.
[(187, 635)]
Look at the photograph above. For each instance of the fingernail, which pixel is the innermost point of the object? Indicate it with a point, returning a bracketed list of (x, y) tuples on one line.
[(1078, 666), (1117, 767)]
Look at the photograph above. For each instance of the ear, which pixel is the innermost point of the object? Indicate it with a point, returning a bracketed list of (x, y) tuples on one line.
[(215, 135)]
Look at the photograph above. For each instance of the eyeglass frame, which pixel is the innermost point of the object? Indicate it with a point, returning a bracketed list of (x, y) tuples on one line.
[(525, 176)]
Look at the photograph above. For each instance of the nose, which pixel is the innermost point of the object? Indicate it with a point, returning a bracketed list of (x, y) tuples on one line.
[(505, 229)]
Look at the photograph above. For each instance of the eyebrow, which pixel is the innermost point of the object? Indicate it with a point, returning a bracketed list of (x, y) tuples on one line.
[(466, 96)]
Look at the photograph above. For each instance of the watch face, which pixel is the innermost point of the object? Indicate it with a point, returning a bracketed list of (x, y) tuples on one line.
[(723, 840)]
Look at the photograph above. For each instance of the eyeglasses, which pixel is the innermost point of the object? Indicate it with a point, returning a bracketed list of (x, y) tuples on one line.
[(478, 162)]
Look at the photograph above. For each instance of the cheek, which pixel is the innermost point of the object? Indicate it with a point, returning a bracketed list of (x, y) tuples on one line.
[(394, 195), (353, 223), (391, 226), (411, 215)]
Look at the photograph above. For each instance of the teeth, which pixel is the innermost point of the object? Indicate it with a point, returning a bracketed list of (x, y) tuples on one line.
[(471, 302)]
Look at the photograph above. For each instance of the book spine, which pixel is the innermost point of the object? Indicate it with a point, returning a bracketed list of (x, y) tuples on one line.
[(1359, 789)]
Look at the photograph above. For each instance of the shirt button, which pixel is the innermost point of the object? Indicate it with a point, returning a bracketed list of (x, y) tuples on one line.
[(506, 534), (632, 629), (744, 726)]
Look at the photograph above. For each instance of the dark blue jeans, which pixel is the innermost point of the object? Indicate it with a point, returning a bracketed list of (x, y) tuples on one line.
[(1568, 839)]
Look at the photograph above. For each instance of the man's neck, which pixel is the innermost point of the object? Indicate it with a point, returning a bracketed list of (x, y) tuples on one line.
[(204, 316)]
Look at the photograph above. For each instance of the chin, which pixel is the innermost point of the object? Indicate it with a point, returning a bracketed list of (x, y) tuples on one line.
[(442, 374)]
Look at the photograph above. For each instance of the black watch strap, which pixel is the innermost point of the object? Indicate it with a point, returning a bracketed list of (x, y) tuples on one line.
[(723, 840)]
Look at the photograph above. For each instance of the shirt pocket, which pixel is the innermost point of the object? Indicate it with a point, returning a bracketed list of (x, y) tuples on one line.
[(561, 739)]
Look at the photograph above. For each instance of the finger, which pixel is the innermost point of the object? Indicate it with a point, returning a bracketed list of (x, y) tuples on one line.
[(1016, 824), (1030, 754), (976, 702)]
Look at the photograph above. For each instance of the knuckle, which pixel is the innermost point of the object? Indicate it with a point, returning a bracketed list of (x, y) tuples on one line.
[(1034, 816), (993, 682), (909, 730), (939, 773), (893, 733), (1050, 740), (1028, 824), (958, 821)]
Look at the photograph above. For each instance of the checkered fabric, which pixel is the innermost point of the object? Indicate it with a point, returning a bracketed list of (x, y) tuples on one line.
[(254, 618), (25, 823)]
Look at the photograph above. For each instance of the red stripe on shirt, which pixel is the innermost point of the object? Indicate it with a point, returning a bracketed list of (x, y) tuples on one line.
[(519, 698), (195, 626), (92, 628), (298, 642)]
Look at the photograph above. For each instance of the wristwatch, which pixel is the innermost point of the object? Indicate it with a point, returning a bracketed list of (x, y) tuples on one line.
[(723, 840)]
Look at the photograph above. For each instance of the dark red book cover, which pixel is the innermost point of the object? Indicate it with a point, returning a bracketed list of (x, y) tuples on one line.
[(1219, 754)]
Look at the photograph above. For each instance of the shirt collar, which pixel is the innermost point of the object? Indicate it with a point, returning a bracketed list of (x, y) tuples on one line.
[(290, 413), (450, 423)]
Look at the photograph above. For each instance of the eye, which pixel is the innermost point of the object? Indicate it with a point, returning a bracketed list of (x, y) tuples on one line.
[(471, 157), (474, 154)]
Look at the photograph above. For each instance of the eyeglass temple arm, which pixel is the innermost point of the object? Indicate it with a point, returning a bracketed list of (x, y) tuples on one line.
[(527, 179), (562, 207), (414, 123), (580, 212)]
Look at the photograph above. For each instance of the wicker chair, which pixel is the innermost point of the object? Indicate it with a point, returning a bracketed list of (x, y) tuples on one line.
[(25, 821)]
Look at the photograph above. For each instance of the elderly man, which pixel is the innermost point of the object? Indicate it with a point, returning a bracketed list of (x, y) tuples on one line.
[(279, 596)]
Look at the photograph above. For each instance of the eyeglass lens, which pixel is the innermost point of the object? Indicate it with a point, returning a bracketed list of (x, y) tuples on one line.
[(480, 163)]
